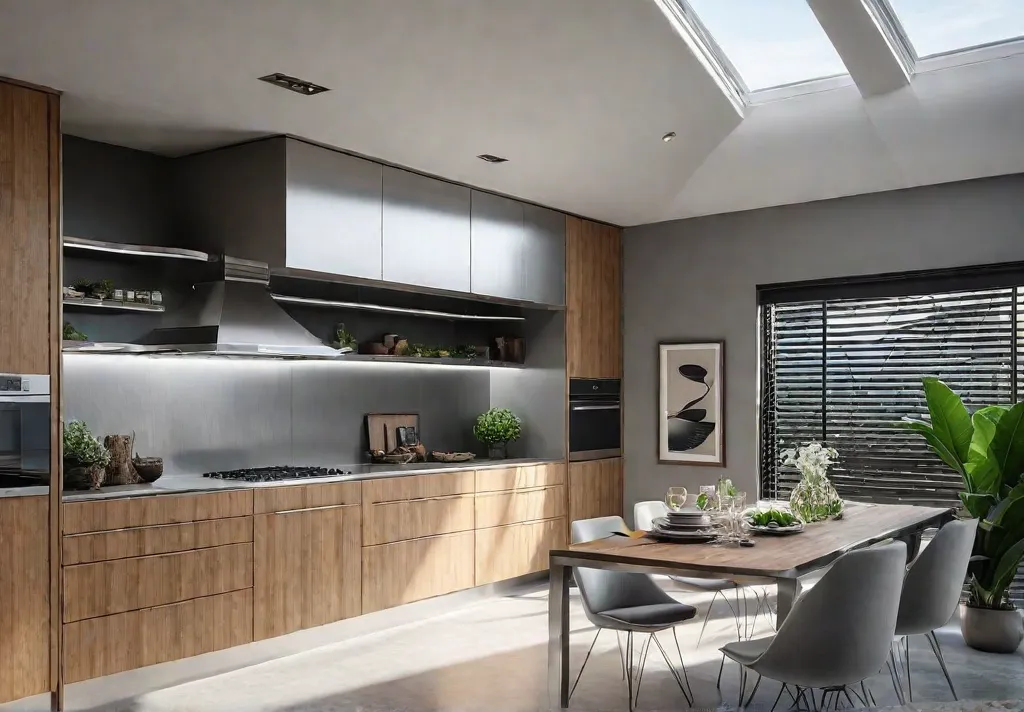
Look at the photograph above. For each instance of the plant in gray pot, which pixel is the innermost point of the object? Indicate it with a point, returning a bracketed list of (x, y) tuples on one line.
[(496, 428), (84, 457), (987, 449)]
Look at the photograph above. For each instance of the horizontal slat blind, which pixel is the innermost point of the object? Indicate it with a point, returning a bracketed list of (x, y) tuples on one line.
[(1017, 588), (846, 371)]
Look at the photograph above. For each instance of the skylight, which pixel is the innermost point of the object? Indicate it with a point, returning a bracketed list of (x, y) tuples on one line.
[(944, 26), (770, 44)]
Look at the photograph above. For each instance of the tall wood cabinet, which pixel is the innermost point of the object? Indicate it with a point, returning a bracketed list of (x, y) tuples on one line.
[(29, 333), (595, 488), (593, 312)]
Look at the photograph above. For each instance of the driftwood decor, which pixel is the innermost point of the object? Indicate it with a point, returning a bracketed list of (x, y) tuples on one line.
[(120, 470)]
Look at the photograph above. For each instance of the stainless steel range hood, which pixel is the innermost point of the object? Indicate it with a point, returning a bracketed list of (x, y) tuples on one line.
[(236, 317)]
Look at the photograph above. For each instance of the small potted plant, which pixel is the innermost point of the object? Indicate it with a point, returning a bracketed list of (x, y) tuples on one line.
[(496, 428), (84, 457), (814, 498)]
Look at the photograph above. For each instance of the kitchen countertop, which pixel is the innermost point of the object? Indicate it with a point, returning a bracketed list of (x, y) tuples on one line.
[(180, 484)]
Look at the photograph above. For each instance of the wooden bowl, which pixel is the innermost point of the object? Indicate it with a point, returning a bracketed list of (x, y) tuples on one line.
[(149, 468)]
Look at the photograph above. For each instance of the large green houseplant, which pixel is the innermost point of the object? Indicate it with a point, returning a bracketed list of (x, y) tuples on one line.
[(987, 449)]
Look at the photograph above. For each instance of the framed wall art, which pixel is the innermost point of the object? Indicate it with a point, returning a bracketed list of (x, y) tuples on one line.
[(691, 422)]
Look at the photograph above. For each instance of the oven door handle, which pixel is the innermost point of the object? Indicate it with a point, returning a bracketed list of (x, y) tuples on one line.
[(24, 399), (596, 407)]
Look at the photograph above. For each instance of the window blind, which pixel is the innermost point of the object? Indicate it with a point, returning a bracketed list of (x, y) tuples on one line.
[(846, 370)]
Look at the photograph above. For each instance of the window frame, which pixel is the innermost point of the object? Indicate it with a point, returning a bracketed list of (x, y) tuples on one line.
[(892, 27)]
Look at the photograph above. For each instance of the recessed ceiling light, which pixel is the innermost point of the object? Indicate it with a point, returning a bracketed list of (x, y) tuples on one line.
[(669, 136), (491, 158), (299, 86)]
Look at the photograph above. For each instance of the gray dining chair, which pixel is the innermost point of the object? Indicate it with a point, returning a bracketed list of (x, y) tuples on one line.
[(627, 602), (837, 634), (932, 589), (644, 514)]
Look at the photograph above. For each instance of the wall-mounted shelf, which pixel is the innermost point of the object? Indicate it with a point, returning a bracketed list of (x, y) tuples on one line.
[(85, 303), (360, 306), (125, 250), (442, 361)]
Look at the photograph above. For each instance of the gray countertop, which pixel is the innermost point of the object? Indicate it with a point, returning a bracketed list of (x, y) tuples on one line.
[(178, 484)]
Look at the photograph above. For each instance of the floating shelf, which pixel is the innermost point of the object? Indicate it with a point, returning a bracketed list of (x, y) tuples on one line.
[(441, 361), (429, 313), (77, 244), (86, 303)]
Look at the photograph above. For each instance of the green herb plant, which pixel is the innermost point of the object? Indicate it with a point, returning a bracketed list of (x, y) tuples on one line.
[(344, 338), (81, 448), (72, 334), (987, 450), (766, 517), (498, 426)]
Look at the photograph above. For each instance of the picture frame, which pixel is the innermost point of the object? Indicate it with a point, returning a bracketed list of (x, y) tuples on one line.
[(691, 403)]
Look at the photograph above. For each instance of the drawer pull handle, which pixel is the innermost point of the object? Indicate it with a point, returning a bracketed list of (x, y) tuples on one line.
[(314, 509)]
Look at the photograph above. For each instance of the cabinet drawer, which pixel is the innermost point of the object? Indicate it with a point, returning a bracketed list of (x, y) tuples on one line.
[(147, 541), (498, 508), (291, 497), (125, 641), (516, 550), (393, 489), (408, 571), (109, 587), (523, 477), (387, 522), (107, 515)]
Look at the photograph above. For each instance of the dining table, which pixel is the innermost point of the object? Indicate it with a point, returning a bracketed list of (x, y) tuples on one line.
[(773, 560)]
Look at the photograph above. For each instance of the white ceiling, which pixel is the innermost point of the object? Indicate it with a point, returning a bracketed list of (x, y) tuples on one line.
[(575, 93)]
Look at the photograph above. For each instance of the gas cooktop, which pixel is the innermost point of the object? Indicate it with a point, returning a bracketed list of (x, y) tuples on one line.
[(276, 473)]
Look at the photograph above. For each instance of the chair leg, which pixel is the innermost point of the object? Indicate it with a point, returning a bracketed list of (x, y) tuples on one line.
[(643, 662), (721, 667), (679, 680), (682, 665), (897, 684), (848, 698), (707, 616), (933, 641), (910, 685), (629, 668), (753, 692), (622, 656), (743, 684), (781, 690), (868, 697), (584, 666)]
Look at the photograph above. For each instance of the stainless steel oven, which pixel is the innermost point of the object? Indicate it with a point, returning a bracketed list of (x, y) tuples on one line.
[(24, 429), (595, 423)]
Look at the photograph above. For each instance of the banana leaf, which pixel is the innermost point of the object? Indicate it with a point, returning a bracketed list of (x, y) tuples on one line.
[(936, 443), (951, 422)]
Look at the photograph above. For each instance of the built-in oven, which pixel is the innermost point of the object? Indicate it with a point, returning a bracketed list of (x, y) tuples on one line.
[(595, 422), (24, 429)]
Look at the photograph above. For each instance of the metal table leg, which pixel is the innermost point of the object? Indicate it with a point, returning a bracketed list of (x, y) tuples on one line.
[(789, 589), (558, 635)]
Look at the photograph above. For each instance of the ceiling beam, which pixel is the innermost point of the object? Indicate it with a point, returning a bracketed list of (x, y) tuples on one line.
[(875, 65)]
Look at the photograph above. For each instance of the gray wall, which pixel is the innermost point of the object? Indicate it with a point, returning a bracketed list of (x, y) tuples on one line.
[(695, 280), (203, 414), (116, 194)]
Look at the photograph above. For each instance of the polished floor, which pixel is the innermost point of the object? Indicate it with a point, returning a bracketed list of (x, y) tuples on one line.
[(492, 655)]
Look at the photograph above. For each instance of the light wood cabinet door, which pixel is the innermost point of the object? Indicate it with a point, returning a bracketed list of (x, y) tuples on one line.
[(386, 522), (595, 488), (306, 569), (29, 189), (517, 549), (109, 515), (103, 646), (408, 571), (396, 489), (593, 312), (498, 508), (520, 477), (147, 541), (24, 597)]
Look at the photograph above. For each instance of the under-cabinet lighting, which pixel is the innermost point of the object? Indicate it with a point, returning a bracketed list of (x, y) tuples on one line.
[(349, 361), (114, 248), (308, 301)]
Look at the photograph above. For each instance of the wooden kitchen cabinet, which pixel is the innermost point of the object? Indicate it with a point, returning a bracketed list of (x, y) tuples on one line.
[(407, 571), (595, 488), (24, 597), (593, 312), (516, 549), (29, 192), (495, 509), (307, 564)]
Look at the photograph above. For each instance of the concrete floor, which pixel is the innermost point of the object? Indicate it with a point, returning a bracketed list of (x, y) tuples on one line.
[(492, 655)]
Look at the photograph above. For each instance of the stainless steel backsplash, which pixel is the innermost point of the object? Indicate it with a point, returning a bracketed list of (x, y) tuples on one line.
[(203, 414)]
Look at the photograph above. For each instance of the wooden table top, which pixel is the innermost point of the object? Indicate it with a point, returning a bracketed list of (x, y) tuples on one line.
[(772, 556)]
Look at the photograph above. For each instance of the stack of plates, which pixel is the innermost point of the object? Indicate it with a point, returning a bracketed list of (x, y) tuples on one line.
[(686, 525)]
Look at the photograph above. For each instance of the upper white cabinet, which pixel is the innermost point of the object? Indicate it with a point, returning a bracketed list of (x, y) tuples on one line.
[(426, 231), (333, 212), (498, 268)]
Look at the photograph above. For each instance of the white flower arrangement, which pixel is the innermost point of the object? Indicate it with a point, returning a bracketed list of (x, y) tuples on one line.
[(812, 459)]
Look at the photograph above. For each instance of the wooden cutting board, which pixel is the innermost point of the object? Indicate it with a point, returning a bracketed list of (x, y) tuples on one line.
[(381, 428)]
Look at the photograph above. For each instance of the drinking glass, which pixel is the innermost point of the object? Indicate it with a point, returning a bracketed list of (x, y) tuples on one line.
[(676, 498)]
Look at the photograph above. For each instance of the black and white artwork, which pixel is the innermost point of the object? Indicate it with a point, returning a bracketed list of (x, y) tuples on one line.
[(691, 400)]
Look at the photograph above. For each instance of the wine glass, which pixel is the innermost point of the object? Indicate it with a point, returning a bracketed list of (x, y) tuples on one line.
[(676, 498)]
